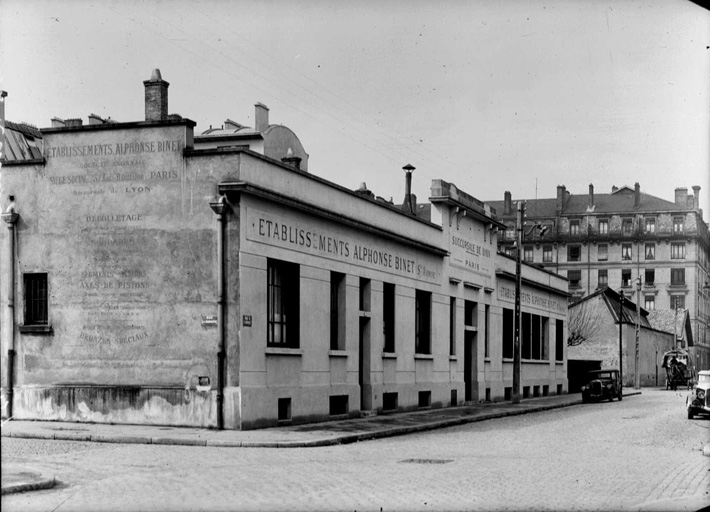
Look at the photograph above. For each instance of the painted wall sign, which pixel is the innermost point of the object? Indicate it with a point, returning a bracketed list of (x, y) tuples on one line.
[(470, 251), (299, 236), (507, 294)]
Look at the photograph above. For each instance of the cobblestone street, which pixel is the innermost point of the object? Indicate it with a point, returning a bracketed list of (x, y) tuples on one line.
[(638, 454)]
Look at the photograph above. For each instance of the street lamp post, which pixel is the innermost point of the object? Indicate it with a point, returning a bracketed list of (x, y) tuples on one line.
[(621, 350)]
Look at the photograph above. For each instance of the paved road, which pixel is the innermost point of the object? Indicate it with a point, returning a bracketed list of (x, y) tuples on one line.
[(639, 454)]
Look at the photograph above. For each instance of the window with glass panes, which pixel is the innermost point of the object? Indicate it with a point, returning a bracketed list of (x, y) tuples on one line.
[(388, 316), (650, 224), (649, 302), (602, 278), (677, 276), (626, 226), (626, 250), (574, 252), (603, 227), (422, 322), (574, 227), (575, 278), (282, 304), (678, 301), (602, 252), (650, 276), (547, 254), (528, 253), (677, 251), (678, 225), (650, 251), (625, 277), (36, 299), (337, 311)]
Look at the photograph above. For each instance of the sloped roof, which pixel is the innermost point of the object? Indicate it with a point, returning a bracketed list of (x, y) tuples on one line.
[(621, 200), (22, 142), (675, 323)]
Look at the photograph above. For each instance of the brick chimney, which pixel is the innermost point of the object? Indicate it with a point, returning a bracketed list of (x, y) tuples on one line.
[(696, 197), (561, 197), (261, 117), (507, 203), (637, 195), (591, 195), (681, 197), (156, 97)]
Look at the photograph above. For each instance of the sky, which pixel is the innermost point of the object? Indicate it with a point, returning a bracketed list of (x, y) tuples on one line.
[(494, 96)]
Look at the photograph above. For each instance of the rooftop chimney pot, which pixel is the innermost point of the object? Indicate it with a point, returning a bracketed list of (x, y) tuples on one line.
[(156, 97), (261, 117)]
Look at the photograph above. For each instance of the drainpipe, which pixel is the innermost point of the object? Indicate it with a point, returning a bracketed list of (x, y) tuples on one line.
[(220, 207), (10, 217)]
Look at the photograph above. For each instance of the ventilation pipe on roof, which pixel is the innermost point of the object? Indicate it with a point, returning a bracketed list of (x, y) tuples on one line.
[(156, 97), (410, 200), (507, 203)]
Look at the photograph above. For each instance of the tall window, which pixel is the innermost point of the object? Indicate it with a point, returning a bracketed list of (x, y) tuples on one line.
[(559, 339), (283, 309), (677, 251), (533, 337), (625, 277), (547, 254), (337, 311), (678, 225), (649, 302), (36, 299), (650, 225), (574, 252), (603, 226), (388, 316), (626, 251), (422, 342), (575, 278), (678, 276), (650, 251), (650, 276), (508, 333), (486, 333), (574, 227), (528, 253), (603, 278), (678, 301), (602, 252), (452, 326), (470, 318)]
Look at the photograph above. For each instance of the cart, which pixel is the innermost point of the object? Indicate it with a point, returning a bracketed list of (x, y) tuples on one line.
[(679, 369)]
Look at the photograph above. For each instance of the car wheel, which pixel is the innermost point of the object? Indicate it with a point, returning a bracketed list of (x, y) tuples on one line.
[(621, 396)]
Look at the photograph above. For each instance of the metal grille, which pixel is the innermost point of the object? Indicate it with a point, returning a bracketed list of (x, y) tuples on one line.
[(35, 299)]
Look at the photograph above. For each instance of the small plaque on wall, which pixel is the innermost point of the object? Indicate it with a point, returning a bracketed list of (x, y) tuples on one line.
[(209, 320), (246, 320)]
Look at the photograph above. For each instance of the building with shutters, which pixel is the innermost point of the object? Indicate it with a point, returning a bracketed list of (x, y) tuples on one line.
[(624, 239)]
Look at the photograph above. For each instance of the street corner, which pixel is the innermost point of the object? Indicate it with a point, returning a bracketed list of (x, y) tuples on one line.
[(22, 479)]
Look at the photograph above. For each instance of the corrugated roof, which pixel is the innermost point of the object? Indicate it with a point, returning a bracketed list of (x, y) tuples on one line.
[(22, 142)]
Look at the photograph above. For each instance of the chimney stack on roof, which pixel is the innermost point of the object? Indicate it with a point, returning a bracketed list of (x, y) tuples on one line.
[(591, 195), (681, 197), (637, 195), (507, 203), (561, 197), (696, 197), (261, 117), (156, 97), (73, 122), (614, 189)]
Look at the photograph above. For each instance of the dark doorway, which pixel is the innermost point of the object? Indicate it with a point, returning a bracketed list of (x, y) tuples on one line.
[(364, 365), (469, 365), (577, 372)]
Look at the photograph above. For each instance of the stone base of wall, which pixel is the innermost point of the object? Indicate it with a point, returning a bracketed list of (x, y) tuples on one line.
[(171, 406)]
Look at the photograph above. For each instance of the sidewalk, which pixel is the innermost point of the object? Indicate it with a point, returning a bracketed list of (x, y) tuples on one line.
[(18, 479)]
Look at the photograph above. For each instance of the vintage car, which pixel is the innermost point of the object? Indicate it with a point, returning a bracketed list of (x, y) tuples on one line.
[(602, 384), (698, 401)]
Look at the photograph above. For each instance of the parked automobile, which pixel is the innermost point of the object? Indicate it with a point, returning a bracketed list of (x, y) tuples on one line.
[(602, 384), (698, 400)]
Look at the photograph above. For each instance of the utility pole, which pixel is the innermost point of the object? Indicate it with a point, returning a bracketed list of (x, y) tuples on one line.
[(637, 376), (516, 342), (621, 350)]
